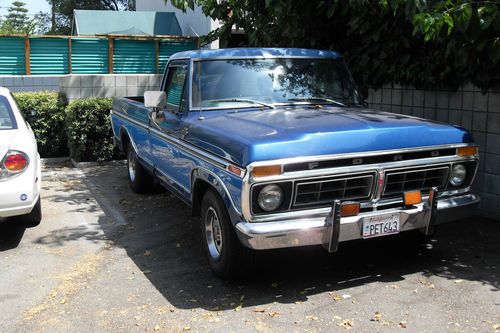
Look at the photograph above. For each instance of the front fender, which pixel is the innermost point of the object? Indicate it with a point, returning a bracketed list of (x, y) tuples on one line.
[(209, 177)]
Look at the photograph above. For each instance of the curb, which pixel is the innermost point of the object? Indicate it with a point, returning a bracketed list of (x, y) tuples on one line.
[(95, 164), (54, 160)]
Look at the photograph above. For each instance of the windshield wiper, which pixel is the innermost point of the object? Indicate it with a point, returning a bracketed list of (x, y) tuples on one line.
[(310, 99), (243, 100)]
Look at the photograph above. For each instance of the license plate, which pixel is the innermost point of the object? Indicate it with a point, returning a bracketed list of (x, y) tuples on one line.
[(380, 225)]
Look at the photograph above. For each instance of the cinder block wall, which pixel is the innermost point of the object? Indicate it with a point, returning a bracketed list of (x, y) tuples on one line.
[(82, 86), (109, 85), (466, 107), (30, 83)]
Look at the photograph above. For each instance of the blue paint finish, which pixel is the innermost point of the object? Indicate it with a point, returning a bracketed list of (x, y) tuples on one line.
[(258, 135), (243, 136)]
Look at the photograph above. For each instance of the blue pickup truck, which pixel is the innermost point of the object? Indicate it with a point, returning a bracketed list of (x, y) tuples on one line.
[(276, 148)]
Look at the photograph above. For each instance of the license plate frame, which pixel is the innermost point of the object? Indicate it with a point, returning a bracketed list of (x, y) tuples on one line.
[(381, 225)]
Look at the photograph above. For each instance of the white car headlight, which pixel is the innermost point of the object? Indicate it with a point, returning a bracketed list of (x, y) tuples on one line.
[(270, 197), (458, 175)]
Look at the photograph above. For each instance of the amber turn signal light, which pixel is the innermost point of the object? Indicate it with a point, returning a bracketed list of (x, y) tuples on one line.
[(266, 171), (349, 209), (467, 151), (412, 198)]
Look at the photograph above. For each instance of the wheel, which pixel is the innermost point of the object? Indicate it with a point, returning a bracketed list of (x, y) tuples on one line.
[(139, 179), (33, 218), (227, 257)]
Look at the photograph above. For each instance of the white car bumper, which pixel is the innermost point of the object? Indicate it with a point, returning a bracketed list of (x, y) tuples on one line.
[(19, 195)]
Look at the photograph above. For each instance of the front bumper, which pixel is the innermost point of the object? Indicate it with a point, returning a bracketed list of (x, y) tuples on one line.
[(318, 230)]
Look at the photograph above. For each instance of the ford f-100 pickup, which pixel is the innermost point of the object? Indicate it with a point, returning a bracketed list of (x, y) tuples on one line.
[(276, 148)]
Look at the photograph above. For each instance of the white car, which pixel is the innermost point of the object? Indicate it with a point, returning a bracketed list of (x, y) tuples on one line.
[(20, 170)]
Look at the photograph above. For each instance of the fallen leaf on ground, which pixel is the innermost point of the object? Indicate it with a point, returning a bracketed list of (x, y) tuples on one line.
[(273, 314), (459, 281), (178, 245), (157, 328), (63, 301), (146, 271), (393, 286), (346, 296), (259, 310), (376, 317), (312, 318), (347, 324), (496, 327), (402, 324), (147, 253), (186, 328), (338, 297), (238, 308), (274, 284)]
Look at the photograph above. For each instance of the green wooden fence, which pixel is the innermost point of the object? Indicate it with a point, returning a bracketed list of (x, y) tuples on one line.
[(58, 55)]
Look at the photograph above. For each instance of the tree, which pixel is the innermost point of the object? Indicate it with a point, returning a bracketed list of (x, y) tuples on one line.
[(17, 21), (62, 11), (424, 43)]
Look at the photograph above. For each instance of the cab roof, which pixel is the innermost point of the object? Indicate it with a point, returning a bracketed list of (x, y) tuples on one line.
[(256, 53)]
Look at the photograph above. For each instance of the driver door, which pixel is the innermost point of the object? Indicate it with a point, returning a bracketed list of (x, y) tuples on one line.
[(167, 157)]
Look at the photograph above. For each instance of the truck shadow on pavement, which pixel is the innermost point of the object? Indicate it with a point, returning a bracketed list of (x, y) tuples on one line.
[(163, 240)]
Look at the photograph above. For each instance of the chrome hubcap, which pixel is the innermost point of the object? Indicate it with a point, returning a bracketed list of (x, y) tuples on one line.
[(213, 233), (131, 165)]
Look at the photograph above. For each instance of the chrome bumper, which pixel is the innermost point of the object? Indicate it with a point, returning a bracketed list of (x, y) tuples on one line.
[(322, 230)]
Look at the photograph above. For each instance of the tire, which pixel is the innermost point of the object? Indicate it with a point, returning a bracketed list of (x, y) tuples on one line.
[(33, 218), (227, 257), (139, 179)]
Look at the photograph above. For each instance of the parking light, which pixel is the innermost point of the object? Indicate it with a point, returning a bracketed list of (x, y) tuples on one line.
[(467, 151), (412, 198), (266, 171), (349, 209)]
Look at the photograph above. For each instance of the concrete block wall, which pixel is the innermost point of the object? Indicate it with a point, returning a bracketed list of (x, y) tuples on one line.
[(108, 85), (83, 86), (30, 83), (466, 107)]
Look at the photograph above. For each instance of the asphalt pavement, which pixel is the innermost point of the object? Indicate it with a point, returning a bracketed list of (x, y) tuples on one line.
[(107, 260)]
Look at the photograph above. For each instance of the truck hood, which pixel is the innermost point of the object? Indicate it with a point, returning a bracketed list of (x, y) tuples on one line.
[(258, 135)]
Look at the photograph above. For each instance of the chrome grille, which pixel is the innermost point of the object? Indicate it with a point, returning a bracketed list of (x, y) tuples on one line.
[(399, 181), (320, 192)]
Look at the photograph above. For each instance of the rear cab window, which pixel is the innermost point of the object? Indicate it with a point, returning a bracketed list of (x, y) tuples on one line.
[(7, 119)]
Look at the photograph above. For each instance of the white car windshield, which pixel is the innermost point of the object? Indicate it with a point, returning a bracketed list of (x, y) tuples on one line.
[(7, 120), (268, 82)]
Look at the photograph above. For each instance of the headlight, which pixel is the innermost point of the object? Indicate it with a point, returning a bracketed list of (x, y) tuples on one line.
[(458, 175), (270, 198)]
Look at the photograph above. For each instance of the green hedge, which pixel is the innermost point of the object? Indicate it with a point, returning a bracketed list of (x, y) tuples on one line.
[(89, 130), (49, 123)]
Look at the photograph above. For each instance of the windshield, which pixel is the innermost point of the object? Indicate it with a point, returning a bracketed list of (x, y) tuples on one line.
[(265, 82), (7, 120)]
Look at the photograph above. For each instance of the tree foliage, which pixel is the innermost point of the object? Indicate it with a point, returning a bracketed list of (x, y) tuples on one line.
[(17, 20), (62, 11), (425, 43)]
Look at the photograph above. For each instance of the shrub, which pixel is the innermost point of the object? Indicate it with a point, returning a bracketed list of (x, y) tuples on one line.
[(48, 124), (89, 130)]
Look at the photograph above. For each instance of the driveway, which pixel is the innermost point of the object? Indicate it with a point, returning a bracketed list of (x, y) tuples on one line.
[(107, 260)]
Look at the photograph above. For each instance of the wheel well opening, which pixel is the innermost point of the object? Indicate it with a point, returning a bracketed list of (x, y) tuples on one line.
[(125, 141), (199, 189)]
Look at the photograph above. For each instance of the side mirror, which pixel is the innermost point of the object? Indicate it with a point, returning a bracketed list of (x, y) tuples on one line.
[(155, 99), (31, 114)]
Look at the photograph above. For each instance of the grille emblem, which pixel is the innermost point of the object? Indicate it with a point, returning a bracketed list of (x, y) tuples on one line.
[(357, 161), (313, 165), (398, 157), (435, 153)]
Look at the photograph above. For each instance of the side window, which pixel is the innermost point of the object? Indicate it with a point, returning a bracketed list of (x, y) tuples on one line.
[(175, 89)]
